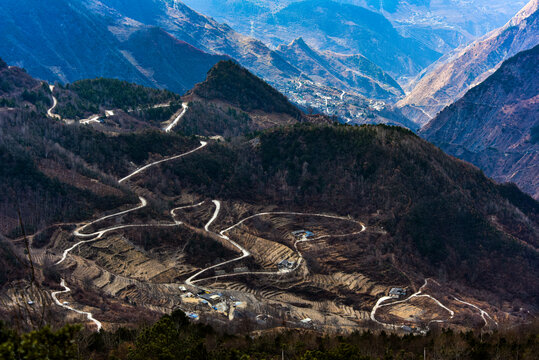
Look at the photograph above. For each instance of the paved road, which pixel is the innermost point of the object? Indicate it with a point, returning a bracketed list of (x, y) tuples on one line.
[(185, 106), (380, 304), (99, 233), (54, 103), (483, 313)]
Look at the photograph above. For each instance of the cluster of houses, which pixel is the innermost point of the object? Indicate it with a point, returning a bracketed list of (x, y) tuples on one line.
[(204, 299)]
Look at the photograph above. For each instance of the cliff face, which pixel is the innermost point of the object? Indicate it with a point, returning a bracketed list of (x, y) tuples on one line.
[(495, 124), (448, 79)]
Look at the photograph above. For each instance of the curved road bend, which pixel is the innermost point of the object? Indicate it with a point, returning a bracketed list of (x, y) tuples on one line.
[(98, 234), (185, 106), (417, 294)]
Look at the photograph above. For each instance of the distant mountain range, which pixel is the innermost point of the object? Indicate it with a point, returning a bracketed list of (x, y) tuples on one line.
[(449, 78), (496, 124), (350, 29), (441, 25), (165, 44)]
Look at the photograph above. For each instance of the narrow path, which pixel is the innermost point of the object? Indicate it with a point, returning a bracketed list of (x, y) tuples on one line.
[(185, 106), (89, 316), (138, 171)]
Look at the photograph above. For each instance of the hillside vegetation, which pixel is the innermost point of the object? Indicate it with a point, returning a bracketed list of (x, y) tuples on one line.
[(174, 337), (444, 216), (85, 97), (229, 82)]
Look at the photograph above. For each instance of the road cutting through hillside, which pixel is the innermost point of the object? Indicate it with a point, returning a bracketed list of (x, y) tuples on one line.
[(145, 167), (245, 253), (89, 315), (483, 313), (185, 106)]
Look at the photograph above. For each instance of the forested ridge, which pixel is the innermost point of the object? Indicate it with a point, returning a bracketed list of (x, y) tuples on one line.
[(85, 97), (174, 337)]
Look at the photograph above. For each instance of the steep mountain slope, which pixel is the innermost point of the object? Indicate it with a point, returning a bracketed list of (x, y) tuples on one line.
[(493, 125), (443, 217), (71, 40), (232, 101), (348, 72), (448, 79), (58, 173)]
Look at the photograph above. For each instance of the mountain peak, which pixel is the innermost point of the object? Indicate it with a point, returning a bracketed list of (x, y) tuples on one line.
[(2, 64), (230, 82), (299, 42)]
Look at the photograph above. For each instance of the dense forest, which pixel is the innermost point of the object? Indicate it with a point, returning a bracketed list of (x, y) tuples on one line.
[(86, 97), (175, 337)]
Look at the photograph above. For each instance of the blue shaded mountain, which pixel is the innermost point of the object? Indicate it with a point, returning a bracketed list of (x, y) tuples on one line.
[(71, 40), (496, 124)]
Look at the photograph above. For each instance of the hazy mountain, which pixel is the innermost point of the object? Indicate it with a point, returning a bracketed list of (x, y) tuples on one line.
[(350, 29), (449, 78), (445, 23), (209, 35), (70, 40), (441, 25), (496, 124), (348, 72)]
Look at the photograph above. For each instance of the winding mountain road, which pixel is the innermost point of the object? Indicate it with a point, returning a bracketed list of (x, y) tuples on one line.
[(483, 313), (89, 315), (380, 304), (99, 233), (54, 103)]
